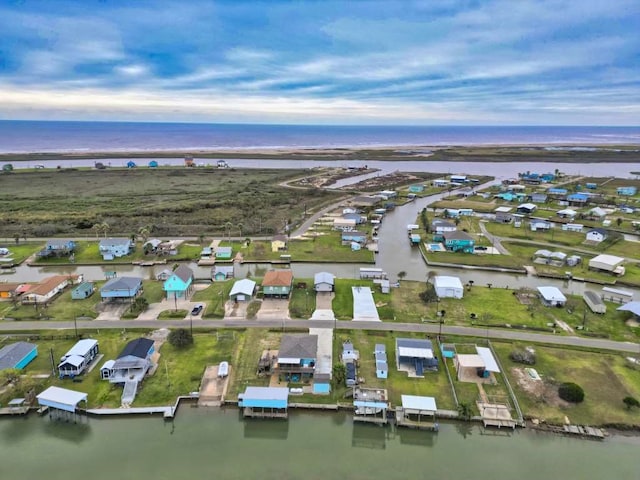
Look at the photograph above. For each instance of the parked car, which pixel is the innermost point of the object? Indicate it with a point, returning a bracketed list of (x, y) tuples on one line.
[(196, 310), (481, 248)]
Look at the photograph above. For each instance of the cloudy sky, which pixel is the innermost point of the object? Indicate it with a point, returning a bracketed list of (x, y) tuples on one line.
[(358, 62)]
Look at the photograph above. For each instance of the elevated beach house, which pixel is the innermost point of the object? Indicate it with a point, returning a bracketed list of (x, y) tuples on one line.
[(179, 284), (277, 283), (132, 364), (123, 288), (78, 358), (297, 357), (58, 247), (414, 356), (111, 248), (458, 241)]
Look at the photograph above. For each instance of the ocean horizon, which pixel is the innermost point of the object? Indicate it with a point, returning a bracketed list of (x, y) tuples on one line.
[(25, 136)]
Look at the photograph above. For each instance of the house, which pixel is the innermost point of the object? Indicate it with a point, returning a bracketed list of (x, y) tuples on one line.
[(595, 303), (540, 225), (526, 208), (440, 183), (470, 367), (264, 402), (458, 242), (111, 248), (324, 282), (616, 295), (277, 283), (132, 364), (8, 290), (151, 245), (538, 197), (82, 291), (170, 247), (573, 227), (591, 186), (58, 248), (297, 357), (357, 237), (180, 283), (578, 198), (220, 273), (597, 212), (503, 217), (414, 356), (131, 164), (242, 290), (607, 263), (506, 196), (344, 224), (78, 358), (627, 191), (46, 289), (17, 355), (566, 213), (164, 274), (441, 226), (224, 253), (633, 307), (359, 219), (458, 178), (382, 367), (349, 354), (372, 273), (551, 296), (279, 243), (122, 288), (448, 287), (153, 164), (558, 192), (596, 235)]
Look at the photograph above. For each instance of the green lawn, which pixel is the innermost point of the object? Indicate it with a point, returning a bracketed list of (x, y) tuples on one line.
[(214, 297), (343, 300), (21, 251), (302, 302), (605, 378), (249, 348)]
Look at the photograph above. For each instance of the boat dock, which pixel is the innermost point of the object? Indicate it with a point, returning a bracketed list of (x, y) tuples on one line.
[(167, 412)]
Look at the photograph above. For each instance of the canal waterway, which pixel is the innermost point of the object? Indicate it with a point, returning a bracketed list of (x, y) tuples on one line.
[(204, 444)]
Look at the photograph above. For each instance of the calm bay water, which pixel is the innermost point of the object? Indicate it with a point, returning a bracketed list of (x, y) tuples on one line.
[(40, 136), (205, 443)]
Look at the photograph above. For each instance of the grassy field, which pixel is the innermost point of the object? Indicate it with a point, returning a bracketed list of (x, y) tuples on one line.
[(172, 201), (605, 378), (19, 252), (302, 302), (214, 297), (343, 300)]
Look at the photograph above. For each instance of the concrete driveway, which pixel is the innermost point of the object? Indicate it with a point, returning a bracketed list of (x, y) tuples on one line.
[(112, 311), (273, 309), (323, 309), (155, 309)]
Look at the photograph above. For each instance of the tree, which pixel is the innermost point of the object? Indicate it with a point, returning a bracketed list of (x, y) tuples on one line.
[(429, 295), (401, 274), (630, 402), (464, 411), (139, 305), (618, 221), (431, 275), (96, 228), (339, 373), (104, 226), (143, 233), (571, 392), (180, 338)]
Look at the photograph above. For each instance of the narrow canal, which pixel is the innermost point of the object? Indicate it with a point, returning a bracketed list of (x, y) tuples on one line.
[(205, 444)]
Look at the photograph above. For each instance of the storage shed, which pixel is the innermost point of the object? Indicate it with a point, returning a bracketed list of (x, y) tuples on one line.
[(551, 296), (242, 290), (594, 301), (448, 287), (17, 355)]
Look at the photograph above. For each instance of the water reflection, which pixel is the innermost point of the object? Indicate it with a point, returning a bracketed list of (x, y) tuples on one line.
[(369, 436), (271, 429), (417, 437), (68, 431)]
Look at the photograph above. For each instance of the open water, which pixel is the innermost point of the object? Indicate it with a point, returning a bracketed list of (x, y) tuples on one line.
[(217, 444), (43, 136)]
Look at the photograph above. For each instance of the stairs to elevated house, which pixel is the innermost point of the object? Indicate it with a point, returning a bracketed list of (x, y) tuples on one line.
[(129, 392)]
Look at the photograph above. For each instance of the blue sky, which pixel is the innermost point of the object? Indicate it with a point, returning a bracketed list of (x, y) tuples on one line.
[(359, 62)]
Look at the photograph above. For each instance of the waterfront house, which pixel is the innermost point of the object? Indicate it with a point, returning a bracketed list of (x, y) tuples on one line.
[(633, 307), (344, 224), (540, 225), (180, 284), (279, 243), (448, 287), (591, 186), (551, 296), (242, 290), (17, 355), (458, 242), (595, 303), (578, 199), (616, 295), (151, 245), (526, 208), (557, 192), (503, 217), (324, 282), (8, 290), (538, 198), (357, 237), (264, 402), (359, 219), (224, 253), (607, 263), (46, 289), (122, 288), (440, 183), (415, 356), (220, 273), (596, 235), (111, 248), (277, 283), (627, 191), (153, 164), (441, 226), (78, 358), (566, 213), (470, 367), (164, 274), (131, 164), (597, 213), (573, 227), (132, 364), (58, 248), (297, 357), (82, 291)]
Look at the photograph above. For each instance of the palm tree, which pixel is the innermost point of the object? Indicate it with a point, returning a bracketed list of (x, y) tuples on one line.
[(96, 228), (240, 227), (228, 226), (105, 228), (144, 233)]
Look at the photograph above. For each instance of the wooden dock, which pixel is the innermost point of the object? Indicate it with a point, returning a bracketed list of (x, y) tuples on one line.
[(167, 412)]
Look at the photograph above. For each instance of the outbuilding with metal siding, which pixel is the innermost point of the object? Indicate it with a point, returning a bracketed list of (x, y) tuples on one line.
[(594, 301), (17, 355)]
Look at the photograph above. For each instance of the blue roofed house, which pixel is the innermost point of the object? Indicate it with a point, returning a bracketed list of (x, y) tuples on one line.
[(458, 241), (627, 191), (17, 355), (78, 358), (131, 164), (111, 248), (179, 285), (121, 288), (357, 237), (578, 199), (82, 291), (153, 164), (58, 248), (414, 356)]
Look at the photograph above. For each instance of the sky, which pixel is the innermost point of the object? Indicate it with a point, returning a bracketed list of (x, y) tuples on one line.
[(434, 62)]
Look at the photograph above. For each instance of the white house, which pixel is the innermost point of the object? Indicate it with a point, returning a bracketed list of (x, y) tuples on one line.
[(596, 235), (551, 296), (323, 282), (448, 287), (442, 226), (242, 290), (344, 224), (76, 360)]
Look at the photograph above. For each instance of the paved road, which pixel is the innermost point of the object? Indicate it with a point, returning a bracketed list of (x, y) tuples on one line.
[(429, 328)]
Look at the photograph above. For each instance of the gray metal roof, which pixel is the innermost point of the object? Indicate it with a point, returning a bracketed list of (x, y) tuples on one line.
[(108, 242), (122, 283), (11, 354), (61, 398), (82, 347), (323, 277), (184, 273), (298, 346)]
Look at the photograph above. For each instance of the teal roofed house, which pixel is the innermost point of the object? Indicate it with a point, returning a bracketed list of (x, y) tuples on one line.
[(627, 191), (153, 164), (17, 355), (82, 291), (458, 242), (179, 285)]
